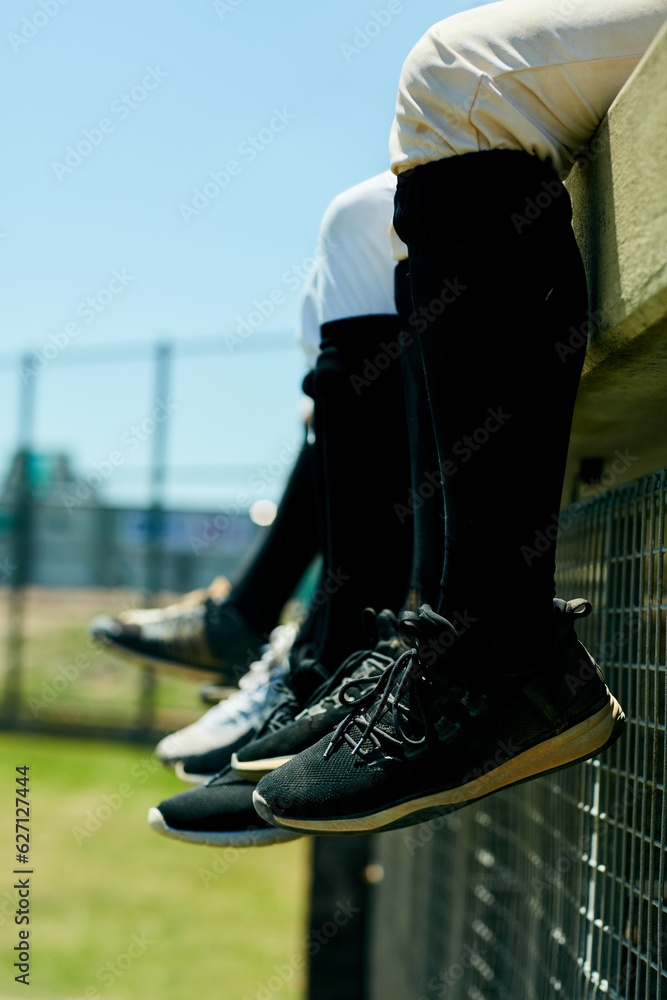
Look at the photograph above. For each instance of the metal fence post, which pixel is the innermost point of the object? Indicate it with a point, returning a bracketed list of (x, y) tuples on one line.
[(154, 568), (338, 939), (21, 542)]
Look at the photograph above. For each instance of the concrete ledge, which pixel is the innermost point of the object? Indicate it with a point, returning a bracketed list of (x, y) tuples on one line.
[(619, 195)]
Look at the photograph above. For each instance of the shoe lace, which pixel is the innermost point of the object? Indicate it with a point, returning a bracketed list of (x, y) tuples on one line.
[(361, 671), (257, 675), (409, 675), (343, 672), (284, 707)]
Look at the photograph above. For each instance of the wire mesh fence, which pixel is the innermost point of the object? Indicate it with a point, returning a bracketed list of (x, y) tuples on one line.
[(85, 530), (554, 890)]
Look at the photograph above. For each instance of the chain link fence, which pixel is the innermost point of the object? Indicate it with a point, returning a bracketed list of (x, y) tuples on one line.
[(70, 549), (555, 889)]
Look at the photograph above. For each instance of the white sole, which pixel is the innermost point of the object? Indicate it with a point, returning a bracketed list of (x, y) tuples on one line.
[(188, 778), (211, 838), (254, 770), (576, 744)]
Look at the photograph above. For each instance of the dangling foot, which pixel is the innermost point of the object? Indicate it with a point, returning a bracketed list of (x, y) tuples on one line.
[(202, 633), (439, 735)]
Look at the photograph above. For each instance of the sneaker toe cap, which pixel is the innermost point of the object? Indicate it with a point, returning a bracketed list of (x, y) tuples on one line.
[(106, 628), (209, 808)]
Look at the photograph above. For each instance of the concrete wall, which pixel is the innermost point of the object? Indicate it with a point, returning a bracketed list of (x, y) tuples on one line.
[(619, 196)]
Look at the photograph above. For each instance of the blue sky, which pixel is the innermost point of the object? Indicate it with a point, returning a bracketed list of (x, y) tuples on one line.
[(297, 97)]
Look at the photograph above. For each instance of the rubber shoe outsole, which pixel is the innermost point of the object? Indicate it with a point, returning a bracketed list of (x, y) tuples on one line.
[(213, 838)]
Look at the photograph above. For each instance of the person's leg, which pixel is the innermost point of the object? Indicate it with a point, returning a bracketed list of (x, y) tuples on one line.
[(425, 504), (496, 277), (495, 271), (498, 688), (497, 300), (362, 430), (359, 416), (350, 333)]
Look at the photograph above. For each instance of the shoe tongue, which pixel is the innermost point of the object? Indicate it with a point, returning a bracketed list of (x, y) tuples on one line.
[(387, 625), (382, 630), (423, 626), (389, 639), (306, 678)]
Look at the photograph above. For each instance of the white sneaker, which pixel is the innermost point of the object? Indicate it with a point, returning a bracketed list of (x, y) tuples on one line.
[(233, 722)]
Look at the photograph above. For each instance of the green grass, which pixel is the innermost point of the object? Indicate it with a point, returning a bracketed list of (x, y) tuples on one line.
[(66, 677), (218, 940)]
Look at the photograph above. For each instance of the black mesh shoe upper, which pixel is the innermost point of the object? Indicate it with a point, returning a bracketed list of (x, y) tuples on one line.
[(223, 805)]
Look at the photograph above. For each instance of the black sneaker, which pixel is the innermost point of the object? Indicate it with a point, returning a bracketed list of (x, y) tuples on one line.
[(205, 637), (219, 814), (330, 703), (439, 736)]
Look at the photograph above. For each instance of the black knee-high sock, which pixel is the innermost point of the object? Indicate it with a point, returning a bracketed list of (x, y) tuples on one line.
[(363, 448), (425, 506), (285, 552), (311, 632), (497, 280)]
